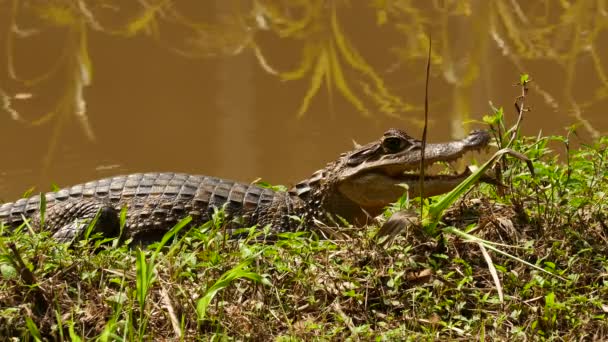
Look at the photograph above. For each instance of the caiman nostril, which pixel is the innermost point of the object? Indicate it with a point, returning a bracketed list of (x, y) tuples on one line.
[(477, 138)]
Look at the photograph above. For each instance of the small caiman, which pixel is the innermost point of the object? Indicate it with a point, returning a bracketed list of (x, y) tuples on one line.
[(357, 184)]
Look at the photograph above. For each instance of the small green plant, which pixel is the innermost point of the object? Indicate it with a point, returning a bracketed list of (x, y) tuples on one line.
[(238, 272), (146, 271)]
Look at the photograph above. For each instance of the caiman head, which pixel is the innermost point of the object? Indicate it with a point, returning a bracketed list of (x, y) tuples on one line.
[(370, 177)]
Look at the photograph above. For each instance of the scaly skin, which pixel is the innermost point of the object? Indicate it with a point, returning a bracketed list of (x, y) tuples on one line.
[(358, 182), (155, 202)]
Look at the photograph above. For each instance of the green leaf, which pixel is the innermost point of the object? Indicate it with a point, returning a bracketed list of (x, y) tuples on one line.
[(33, 329), (550, 300), (28, 193), (266, 185), (144, 279), (170, 234), (122, 219), (237, 272), (437, 209), (8, 271), (72, 332), (91, 225)]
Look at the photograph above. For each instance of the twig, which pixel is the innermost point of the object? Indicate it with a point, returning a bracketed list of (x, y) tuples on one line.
[(171, 312), (40, 302), (426, 121), (521, 108)]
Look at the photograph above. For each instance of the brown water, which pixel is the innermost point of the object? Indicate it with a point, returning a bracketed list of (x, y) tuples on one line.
[(205, 88)]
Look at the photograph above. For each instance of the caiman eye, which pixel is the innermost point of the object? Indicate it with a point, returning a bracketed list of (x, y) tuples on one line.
[(392, 144)]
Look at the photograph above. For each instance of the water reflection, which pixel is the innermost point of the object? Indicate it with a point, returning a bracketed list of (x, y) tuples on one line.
[(274, 89)]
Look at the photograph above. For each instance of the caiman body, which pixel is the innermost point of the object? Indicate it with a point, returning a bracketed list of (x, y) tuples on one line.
[(357, 184)]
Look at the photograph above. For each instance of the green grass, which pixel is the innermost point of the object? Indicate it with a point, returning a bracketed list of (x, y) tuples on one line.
[(528, 260)]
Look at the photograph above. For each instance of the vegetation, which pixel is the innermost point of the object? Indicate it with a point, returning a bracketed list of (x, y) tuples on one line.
[(526, 259)]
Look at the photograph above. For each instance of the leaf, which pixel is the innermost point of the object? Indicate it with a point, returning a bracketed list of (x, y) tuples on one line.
[(92, 224), (33, 329), (489, 245), (237, 272), (8, 271), (437, 209), (492, 270), (28, 193), (72, 332), (144, 278), (550, 300), (266, 185), (171, 233)]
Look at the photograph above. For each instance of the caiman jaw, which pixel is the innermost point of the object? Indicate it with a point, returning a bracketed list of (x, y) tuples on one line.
[(372, 174)]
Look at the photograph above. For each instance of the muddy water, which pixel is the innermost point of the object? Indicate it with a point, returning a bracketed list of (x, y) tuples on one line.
[(89, 92)]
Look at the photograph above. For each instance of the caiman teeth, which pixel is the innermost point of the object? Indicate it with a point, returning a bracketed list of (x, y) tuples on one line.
[(409, 175)]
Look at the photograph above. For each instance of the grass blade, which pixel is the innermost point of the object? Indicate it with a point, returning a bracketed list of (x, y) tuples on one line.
[(237, 272), (437, 209), (492, 269), (488, 245), (33, 329), (170, 234), (145, 277)]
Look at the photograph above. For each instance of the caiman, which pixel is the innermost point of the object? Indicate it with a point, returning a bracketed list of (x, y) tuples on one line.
[(358, 184)]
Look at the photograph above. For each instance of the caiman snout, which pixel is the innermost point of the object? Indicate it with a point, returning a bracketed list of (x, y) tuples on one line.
[(373, 175), (477, 138)]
